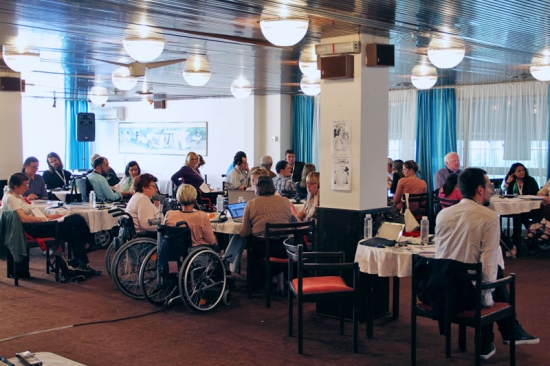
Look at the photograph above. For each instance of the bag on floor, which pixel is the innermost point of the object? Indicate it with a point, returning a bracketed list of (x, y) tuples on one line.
[(70, 271)]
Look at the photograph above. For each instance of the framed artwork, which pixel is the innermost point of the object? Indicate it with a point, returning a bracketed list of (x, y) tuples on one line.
[(170, 138), (341, 138), (341, 174)]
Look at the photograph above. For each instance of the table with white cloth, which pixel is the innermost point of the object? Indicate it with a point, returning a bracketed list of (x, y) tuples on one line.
[(61, 195), (49, 359), (393, 262), (165, 186)]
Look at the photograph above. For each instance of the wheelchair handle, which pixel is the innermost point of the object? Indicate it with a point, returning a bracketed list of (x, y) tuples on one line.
[(117, 209)]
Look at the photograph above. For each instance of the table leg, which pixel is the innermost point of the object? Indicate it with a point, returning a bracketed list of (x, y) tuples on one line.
[(395, 297), (369, 308), (517, 234)]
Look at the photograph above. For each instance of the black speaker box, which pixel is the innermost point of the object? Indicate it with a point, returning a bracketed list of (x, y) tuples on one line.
[(380, 55), (337, 67), (10, 84), (85, 127)]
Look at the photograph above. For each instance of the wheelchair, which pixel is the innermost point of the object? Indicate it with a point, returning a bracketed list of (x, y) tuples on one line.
[(126, 232)]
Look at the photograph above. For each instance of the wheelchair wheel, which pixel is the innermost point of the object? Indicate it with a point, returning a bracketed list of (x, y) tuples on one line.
[(202, 280), (102, 239), (155, 288), (109, 255), (126, 264)]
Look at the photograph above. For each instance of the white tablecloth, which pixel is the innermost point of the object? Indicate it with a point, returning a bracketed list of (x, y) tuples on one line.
[(165, 187), (49, 359), (97, 219), (513, 206), (40, 204), (227, 227), (61, 194)]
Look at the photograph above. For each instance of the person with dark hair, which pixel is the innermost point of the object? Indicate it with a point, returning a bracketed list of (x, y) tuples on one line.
[(296, 167), (140, 206), (232, 165), (126, 185), (237, 177), (110, 175), (189, 173), (469, 232), (409, 184), (37, 187), (397, 173), (201, 161), (450, 190), (518, 181), (56, 176), (301, 186), (283, 184), (99, 183)]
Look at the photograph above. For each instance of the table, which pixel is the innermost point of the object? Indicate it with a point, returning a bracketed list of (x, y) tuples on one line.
[(49, 359), (40, 204), (61, 195)]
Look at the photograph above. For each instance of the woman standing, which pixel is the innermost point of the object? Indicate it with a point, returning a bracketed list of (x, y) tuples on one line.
[(37, 187), (189, 173)]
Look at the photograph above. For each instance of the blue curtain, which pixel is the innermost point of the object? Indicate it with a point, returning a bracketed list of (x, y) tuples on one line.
[(301, 130), (77, 153), (548, 166), (436, 130)]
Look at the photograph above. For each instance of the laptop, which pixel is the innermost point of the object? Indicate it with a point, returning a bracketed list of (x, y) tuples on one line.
[(234, 194), (387, 236), (236, 210)]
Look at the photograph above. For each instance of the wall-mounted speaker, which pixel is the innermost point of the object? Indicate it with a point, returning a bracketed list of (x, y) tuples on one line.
[(159, 104), (380, 55), (10, 84), (337, 67), (85, 127)]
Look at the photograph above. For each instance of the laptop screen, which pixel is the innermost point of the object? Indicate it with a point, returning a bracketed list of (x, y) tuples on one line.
[(236, 210), (390, 230)]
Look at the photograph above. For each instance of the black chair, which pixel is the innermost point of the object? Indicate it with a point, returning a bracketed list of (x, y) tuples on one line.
[(84, 187), (418, 203), (275, 234), (446, 285), (320, 287)]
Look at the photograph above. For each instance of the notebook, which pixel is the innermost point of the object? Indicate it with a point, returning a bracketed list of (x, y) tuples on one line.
[(236, 210), (387, 236), (233, 195)]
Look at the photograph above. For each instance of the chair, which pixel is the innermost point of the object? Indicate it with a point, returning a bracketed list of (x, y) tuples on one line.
[(418, 203), (14, 245), (84, 187), (447, 285), (275, 234), (320, 287)]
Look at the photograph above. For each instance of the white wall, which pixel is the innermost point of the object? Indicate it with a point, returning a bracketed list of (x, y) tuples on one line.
[(11, 148)]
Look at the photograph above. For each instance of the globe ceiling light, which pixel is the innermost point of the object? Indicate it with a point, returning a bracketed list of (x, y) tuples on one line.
[(445, 54), (424, 76), (143, 43), (241, 88), (122, 80), (23, 61), (310, 86), (282, 26), (308, 65), (98, 95), (197, 70), (540, 66)]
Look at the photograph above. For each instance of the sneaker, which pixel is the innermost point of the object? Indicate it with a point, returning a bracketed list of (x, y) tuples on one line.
[(488, 352), (522, 337)]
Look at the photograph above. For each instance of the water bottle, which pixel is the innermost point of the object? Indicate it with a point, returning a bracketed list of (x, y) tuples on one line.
[(367, 234), (219, 203), (424, 230), (92, 200), (241, 199)]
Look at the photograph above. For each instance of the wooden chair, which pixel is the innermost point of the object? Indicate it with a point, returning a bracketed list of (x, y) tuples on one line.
[(274, 235), (320, 287), (452, 292)]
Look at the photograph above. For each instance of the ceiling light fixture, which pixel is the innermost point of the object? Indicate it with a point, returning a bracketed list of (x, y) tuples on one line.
[(284, 27), (445, 54), (540, 66), (122, 80), (197, 70), (424, 76), (98, 95), (241, 88), (143, 43), (23, 61), (308, 65), (309, 86)]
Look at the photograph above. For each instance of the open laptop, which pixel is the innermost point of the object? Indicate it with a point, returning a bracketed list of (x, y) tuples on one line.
[(234, 194), (387, 236), (236, 210)]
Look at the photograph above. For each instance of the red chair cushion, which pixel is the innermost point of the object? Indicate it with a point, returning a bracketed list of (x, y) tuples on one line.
[(278, 260), (322, 284)]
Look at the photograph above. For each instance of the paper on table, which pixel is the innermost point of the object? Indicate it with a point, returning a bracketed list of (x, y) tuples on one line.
[(37, 213), (531, 197), (204, 187)]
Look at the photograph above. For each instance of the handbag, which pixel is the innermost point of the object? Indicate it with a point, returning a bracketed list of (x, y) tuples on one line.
[(410, 221), (73, 197)]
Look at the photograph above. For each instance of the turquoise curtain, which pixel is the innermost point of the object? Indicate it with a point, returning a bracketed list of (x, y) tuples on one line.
[(78, 153), (301, 127), (436, 130), (548, 166)]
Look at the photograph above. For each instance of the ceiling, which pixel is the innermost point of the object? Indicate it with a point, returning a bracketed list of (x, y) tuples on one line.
[(500, 37)]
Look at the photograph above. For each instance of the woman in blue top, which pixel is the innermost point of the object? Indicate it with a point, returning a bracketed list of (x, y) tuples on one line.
[(37, 187)]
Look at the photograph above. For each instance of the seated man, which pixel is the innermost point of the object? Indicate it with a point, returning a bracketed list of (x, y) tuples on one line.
[(237, 177), (452, 166), (56, 176), (283, 184), (469, 232), (266, 163), (296, 167), (99, 183), (110, 175)]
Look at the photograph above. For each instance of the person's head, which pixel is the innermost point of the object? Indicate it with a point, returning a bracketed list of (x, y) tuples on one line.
[(452, 161), (92, 159), (54, 162), (18, 183), (239, 160), (450, 184), (518, 170), (390, 165), (474, 183), (283, 168), (201, 161), (312, 183), (410, 168), (186, 195), (101, 165), (290, 157), (255, 174), (132, 169), (146, 184), (266, 162), (30, 166), (308, 168), (265, 186), (192, 160)]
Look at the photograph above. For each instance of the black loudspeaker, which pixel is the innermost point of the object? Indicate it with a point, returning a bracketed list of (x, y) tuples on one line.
[(11, 84), (380, 55), (85, 127)]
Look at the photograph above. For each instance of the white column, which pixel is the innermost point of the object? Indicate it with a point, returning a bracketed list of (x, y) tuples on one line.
[(11, 137)]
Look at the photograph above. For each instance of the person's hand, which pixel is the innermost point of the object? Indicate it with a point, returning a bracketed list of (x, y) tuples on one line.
[(510, 179), (546, 200), (32, 196), (54, 216)]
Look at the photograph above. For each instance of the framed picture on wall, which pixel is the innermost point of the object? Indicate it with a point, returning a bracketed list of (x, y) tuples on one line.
[(170, 138)]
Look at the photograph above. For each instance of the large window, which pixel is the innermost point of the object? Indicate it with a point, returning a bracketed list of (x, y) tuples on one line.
[(402, 124)]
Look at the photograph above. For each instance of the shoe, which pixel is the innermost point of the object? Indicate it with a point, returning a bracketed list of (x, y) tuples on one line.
[(488, 352), (522, 337), (544, 246), (93, 272)]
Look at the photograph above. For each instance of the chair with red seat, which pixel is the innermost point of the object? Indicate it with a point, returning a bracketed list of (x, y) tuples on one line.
[(320, 287)]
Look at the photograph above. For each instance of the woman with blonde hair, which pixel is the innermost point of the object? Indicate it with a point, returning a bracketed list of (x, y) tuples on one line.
[(309, 211), (189, 173)]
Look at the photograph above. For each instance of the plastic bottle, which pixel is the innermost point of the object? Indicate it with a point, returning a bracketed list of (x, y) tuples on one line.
[(92, 200), (424, 230), (368, 227), (219, 203), (241, 199)]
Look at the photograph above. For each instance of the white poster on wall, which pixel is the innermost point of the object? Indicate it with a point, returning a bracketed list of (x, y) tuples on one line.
[(341, 137), (341, 174)]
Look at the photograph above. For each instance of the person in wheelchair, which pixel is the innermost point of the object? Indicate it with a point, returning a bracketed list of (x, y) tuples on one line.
[(198, 221), (140, 206)]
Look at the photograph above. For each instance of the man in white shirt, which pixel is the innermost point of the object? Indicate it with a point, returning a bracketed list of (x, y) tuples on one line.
[(237, 178), (469, 232), (452, 166)]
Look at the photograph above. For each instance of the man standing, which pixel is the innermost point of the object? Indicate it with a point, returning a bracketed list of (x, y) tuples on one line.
[(237, 177), (99, 183), (267, 163), (469, 232), (283, 184), (55, 176), (296, 167), (452, 166)]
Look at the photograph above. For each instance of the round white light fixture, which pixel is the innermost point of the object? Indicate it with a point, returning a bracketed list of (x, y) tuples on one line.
[(310, 86), (197, 70), (284, 27), (423, 76), (23, 61), (308, 65), (540, 66), (98, 95), (445, 54), (241, 88), (122, 80), (143, 43)]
